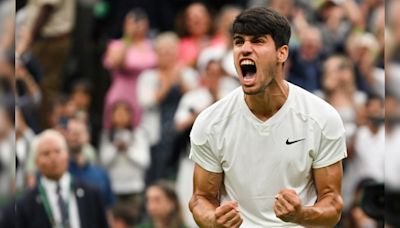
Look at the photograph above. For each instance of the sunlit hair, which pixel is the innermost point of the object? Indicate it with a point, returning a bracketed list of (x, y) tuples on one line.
[(166, 37), (137, 14)]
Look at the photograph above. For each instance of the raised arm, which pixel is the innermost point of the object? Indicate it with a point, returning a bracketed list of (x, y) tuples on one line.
[(326, 211), (205, 204)]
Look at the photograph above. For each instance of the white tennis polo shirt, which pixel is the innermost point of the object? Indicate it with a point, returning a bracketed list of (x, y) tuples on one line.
[(259, 158)]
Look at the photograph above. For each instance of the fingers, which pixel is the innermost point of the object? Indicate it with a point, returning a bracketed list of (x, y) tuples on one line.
[(287, 205), (227, 215)]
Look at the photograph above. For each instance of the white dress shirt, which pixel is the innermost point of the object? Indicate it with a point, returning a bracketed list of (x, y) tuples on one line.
[(51, 194)]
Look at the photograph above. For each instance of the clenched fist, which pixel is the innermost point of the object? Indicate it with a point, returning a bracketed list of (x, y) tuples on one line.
[(287, 206), (227, 215)]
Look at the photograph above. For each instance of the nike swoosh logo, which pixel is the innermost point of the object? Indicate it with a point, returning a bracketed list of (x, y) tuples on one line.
[(291, 142)]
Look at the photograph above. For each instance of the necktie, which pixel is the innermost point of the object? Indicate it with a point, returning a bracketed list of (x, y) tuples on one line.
[(62, 206)]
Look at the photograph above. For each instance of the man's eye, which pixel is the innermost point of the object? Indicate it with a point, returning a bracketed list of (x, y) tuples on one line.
[(237, 42), (258, 41)]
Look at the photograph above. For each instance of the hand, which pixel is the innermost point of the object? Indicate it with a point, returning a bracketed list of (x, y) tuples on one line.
[(288, 206), (227, 215), (21, 73), (121, 146)]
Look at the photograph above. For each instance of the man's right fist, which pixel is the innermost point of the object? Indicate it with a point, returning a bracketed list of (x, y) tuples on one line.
[(227, 215)]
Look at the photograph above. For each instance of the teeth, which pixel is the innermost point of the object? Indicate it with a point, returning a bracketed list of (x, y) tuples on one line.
[(247, 62)]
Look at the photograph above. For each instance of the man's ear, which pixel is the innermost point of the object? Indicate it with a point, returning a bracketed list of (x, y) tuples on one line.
[(283, 53)]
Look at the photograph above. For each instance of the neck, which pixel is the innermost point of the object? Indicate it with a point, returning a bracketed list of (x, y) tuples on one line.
[(54, 178), (159, 223), (266, 104), (78, 158)]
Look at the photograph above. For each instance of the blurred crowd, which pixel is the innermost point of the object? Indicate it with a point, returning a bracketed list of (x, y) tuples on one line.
[(123, 81)]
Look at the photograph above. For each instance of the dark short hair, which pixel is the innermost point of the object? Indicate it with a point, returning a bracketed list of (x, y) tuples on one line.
[(137, 14), (263, 21)]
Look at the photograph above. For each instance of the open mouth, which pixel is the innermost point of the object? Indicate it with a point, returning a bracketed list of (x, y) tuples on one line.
[(248, 68)]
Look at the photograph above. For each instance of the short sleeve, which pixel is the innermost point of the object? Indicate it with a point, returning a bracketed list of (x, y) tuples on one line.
[(330, 152), (332, 146), (202, 151)]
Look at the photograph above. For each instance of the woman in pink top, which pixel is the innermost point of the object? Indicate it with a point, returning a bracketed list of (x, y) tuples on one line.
[(197, 27), (126, 58)]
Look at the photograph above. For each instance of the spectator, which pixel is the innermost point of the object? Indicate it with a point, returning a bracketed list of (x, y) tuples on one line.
[(163, 207), (223, 23), (221, 43), (197, 28), (306, 60), (47, 30), (123, 217), (125, 153), (46, 204), (339, 89), (159, 92), (80, 165), (367, 160), (63, 112), (121, 59), (81, 96), (362, 48)]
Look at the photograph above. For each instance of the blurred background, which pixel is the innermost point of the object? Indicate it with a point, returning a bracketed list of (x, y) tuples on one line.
[(124, 80)]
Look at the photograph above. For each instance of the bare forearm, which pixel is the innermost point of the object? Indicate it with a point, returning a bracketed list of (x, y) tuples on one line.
[(203, 211), (117, 58), (43, 17), (325, 213)]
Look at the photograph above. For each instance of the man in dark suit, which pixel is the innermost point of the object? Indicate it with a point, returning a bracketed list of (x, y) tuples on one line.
[(58, 200)]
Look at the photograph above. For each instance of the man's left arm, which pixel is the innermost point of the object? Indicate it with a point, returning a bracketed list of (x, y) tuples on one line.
[(326, 211)]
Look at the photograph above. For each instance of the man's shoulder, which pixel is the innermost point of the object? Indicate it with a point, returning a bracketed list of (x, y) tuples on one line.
[(220, 111), (312, 107), (27, 197), (310, 104)]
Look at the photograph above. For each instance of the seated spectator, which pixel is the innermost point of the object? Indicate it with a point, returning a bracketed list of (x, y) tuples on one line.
[(81, 167), (121, 59), (62, 111), (162, 206), (221, 43), (59, 200), (125, 153), (78, 139)]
